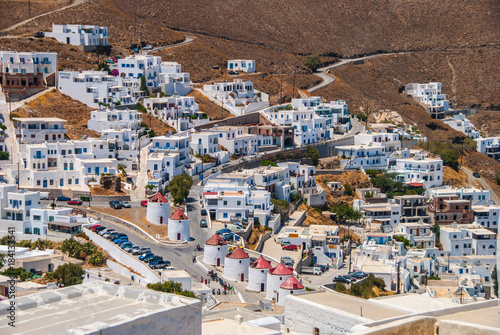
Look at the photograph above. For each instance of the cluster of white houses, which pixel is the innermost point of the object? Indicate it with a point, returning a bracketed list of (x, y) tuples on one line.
[(278, 282)]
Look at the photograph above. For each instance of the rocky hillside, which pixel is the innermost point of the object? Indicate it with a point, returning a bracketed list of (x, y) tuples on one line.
[(343, 27)]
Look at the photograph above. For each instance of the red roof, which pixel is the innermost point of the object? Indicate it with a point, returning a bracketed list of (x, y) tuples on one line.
[(292, 284), (216, 240), (210, 193), (416, 184), (282, 270), (261, 263), (158, 197), (237, 253), (179, 215)]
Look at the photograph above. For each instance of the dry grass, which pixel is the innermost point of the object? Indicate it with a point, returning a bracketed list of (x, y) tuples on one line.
[(56, 104), (488, 122), (96, 190), (159, 127), (356, 179), (18, 10), (314, 217), (213, 111), (486, 166), (454, 178)]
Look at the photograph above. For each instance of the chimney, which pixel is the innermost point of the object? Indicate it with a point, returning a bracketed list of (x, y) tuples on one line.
[(239, 318)]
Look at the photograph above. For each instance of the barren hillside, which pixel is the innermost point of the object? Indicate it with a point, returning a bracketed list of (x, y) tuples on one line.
[(344, 27), (19, 10), (488, 122)]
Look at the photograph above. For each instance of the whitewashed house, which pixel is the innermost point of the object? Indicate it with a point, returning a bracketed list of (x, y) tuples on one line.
[(179, 112), (101, 120), (207, 143), (98, 88), (243, 65), (489, 146), (235, 141), (419, 170), (456, 241), (385, 216), (486, 215), (303, 179), (31, 130), (172, 80), (461, 123), (431, 97), (335, 112), (419, 234), (88, 37)]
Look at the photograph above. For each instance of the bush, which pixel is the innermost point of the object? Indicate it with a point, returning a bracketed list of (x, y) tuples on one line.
[(97, 259), (313, 154), (171, 287), (348, 190), (68, 274), (497, 178), (312, 61), (362, 117), (82, 235), (267, 162)]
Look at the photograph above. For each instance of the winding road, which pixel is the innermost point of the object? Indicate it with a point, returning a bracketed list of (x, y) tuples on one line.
[(189, 39), (328, 79)]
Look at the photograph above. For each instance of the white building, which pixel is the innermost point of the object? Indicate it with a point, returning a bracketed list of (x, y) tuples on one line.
[(97, 88), (162, 167), (41, 217), (236, 265), (275, 278), (419, 170), (166, 75), (430, 95), (335, 112), (87, 36), (486, 215), (484, 241), (207, 143), (303, 179), (419, 234), (101, 120), (28, 73), (235, 141), (386, 215), (70, 164), (489, 146), (158, 209), (179, 112), (178, 226), (476, 196), (456, 241), (243, 65), (308, 127), (257, 275), (238, 96), (461, 123), (215, 250), (39, 130)]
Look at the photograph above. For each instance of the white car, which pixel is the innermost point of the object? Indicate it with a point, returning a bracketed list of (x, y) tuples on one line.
[(126, 204)]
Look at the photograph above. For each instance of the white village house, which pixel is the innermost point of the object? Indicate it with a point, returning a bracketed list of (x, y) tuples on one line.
[(87, 37)]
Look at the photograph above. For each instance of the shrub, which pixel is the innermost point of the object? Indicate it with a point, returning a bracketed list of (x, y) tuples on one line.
[(97, 259), (267, 162), (82, 235), (348, 190), (312, 61), (171, 287), (68, 274)]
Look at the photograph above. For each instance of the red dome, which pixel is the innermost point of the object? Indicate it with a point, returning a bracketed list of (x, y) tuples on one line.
[(158, 197), (238, 253), (292, 284), (216, 240), (179, 215), (261, 263), (281, 270)]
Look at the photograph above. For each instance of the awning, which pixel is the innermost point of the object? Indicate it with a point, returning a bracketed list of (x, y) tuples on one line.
[(416, 184)]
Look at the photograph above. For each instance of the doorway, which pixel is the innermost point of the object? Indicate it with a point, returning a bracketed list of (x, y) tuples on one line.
[(218, 261), (262, 289), (242, 277)]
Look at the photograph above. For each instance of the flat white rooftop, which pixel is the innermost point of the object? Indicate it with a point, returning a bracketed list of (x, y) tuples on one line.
[(95, 307)]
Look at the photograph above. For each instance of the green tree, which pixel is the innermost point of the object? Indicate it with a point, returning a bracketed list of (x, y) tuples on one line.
[(494, 277), (144, 86), (179, 187), (97, 259), (348, 190), (312, 61), (497, 178), (313, 153), (450, 158), (103, 66), (69, 274), (4, 155), (171, 287), (437, 230), (267, 162)]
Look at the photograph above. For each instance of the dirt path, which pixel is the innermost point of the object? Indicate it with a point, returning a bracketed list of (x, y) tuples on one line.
[(76, 3)]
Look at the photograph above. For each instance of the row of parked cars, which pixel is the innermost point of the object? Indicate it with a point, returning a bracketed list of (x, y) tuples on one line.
[(228, 235), (121, 239), (350, 278), (119, 204)]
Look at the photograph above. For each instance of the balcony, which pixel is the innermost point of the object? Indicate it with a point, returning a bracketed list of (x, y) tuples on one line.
[(39, 157)]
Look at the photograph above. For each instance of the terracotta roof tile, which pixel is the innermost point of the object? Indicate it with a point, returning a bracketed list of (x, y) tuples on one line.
[(292, 284), (216, 240), (179, 215), (158, 197), (238, 253), (282, 270), (261, 263)]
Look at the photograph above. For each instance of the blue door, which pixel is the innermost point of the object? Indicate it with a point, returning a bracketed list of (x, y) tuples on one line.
[(45, 183), (96, 170)]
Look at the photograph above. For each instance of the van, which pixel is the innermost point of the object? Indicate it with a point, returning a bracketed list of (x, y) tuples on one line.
[(214, 170)]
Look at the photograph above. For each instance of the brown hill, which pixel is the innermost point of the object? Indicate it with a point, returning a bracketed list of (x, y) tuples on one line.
[(18, 10), (344, 27), (488, 122)]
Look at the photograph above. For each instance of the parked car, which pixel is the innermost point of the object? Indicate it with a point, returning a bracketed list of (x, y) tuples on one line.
[(74, 202), (233, 73), (290, 247), (160, 264), (222, 231), (341, 279), (39, 34), (203, 211), (144, 203), (129, 248), (94, 227), (141, 251), (476, 175), (112, 236), (203, 224), (126, 204), (107, 230), (351, 278), (146, 254), (358, 274), (287, 259), (214, 170), (287, 264), (148, 47), (136, 248), (126, 244), (120, 239), (98, 229), (115, 204), (152, 259), (63, 198)]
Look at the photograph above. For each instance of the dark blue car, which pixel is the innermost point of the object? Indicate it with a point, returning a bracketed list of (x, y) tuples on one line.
[(63, 198)]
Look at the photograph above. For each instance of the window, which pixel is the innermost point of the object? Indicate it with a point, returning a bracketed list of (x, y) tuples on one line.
[(71, 166), (238, 203), (224, 215), (65, 166), (37, 218), (225, 202)]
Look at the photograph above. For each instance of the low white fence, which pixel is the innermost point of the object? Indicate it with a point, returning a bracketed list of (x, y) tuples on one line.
[(116, 267), (124, 258)]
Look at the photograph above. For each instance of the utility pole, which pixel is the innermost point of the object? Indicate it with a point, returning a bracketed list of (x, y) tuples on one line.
[(29, 7), (398, 290), (281, 86), (350, 243), (294, 73), (135, 21)]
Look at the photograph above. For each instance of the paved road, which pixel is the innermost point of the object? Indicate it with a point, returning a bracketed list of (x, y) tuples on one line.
[(482, 182), (189, 39), (76, 3), (328, 79)]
